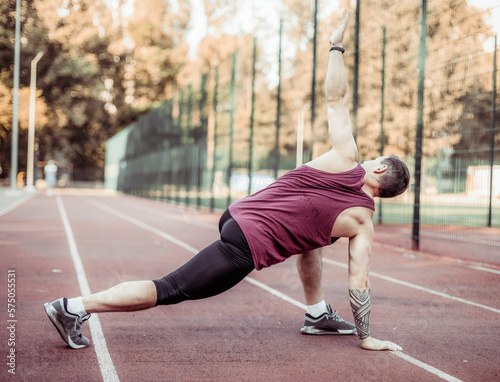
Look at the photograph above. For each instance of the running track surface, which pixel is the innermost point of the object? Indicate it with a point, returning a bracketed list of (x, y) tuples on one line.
[(446, 316)]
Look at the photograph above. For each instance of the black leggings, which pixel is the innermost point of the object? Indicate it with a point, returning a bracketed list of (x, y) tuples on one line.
[(215, 269)]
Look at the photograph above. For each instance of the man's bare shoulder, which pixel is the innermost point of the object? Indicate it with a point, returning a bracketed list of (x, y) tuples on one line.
[(334, 161), (352, 222)]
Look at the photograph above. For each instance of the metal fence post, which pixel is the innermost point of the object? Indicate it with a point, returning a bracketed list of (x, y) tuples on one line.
[(420, 124), (313, 85), (189, 135), (493, 125), (382, 105), (189, 126), (231, 126), (178, 173), (201, 137), (215, 101), (355, 86), (278, 109), (250, 139)]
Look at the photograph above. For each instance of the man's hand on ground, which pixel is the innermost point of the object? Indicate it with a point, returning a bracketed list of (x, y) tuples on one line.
[(371, 343), (338, 34)]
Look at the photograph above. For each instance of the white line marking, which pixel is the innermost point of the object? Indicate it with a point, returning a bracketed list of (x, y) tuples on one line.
[(108, 370), (15, 204), (188, 248), (424, 366), (190, 220), (145, 226), (418, 287), (256, 283), (484, 269), (276, 293), (184, 217), (463, 239)]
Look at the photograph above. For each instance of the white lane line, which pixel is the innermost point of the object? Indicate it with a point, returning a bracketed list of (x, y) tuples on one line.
[(254, 282), (190, 219), (463, 239), (484, 269), (188, 248), (15, 204), (276, 293), (108, 370), (429, 368), (145, 226), (181, 216), (418, 287)]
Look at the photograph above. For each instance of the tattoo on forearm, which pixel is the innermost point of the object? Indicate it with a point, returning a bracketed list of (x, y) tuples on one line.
[(360, 305)]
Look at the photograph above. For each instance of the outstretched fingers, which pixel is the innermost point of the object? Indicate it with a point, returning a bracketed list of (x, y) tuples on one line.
[(392, 346), (371, 343), (338, 34), (345, 17)]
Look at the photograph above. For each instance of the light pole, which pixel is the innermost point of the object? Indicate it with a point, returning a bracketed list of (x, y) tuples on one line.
[(15, 101), (31, 130)]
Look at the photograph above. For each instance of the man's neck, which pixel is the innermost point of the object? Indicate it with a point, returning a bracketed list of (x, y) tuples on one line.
[(370, 186)]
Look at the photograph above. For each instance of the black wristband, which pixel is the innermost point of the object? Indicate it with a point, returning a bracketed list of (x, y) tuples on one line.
[(337, 48)]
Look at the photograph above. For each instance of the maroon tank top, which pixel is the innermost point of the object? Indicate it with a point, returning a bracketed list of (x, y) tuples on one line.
[(296, 213)]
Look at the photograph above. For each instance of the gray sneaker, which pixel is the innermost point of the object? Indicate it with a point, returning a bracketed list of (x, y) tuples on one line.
[(327, 323), (67, 324)]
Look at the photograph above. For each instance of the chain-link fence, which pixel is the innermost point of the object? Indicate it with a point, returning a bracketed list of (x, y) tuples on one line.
[(248, 119)]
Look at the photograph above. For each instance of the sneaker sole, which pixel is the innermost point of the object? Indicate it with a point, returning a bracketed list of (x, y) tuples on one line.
[(312, 330), (52, 314)]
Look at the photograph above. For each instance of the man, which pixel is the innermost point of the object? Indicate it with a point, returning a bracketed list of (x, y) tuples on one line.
[(50, 176), (329, 197)]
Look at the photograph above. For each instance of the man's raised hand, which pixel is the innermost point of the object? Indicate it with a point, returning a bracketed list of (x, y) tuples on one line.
[(338, 34)]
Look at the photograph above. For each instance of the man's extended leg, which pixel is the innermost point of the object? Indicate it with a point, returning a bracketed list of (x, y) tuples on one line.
[(68, 316), (213, 270), (124, 297), (319, 318)]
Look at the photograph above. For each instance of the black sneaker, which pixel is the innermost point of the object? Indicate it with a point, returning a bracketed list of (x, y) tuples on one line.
[(327, 323), (67, 324)]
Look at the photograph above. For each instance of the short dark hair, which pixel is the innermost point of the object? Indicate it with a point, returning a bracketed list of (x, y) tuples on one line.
[(396, 180)]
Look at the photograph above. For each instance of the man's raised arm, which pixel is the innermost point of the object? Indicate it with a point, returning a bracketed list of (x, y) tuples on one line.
[(337, 95)]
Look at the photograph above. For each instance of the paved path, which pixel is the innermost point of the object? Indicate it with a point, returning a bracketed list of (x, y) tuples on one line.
[(445, 315), (10, 199)]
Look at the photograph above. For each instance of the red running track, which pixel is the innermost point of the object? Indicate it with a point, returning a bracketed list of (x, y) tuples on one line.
[(445, 316)]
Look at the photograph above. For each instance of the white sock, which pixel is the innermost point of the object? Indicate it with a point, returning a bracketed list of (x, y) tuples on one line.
[(75, 306), (318, 309)]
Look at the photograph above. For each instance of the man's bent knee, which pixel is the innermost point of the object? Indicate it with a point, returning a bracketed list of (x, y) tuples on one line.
[(168, 291)]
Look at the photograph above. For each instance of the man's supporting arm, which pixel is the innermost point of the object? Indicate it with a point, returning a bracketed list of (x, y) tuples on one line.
[(360, 305), (359, 289)]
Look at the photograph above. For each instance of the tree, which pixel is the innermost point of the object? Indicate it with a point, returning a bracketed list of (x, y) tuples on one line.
[(30, 27), (100, 71)]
